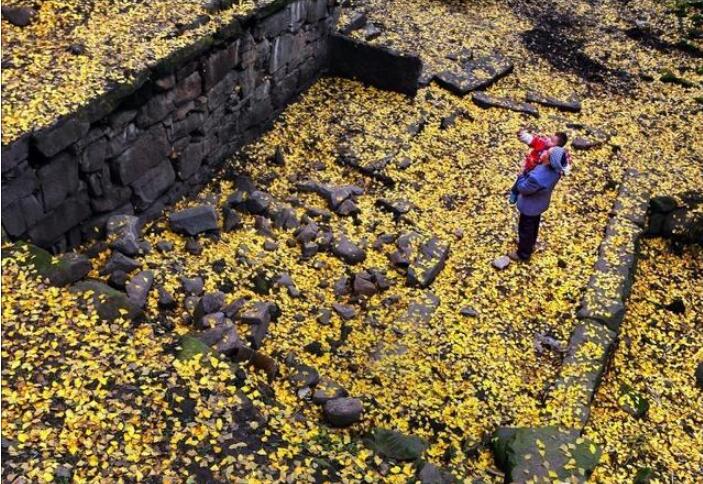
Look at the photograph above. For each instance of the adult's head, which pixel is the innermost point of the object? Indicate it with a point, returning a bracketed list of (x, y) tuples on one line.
[(559, 138), (557, 159)]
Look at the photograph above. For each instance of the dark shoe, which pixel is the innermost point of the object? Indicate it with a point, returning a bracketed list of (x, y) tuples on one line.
[(516, 257)]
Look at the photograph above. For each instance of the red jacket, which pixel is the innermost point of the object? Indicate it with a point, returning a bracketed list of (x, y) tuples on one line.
[(539, 145)]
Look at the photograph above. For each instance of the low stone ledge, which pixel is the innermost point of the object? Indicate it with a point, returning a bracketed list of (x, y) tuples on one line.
[(570, 396), (380, 67)]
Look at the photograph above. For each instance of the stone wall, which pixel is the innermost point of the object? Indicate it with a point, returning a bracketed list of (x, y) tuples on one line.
[(142, 146)]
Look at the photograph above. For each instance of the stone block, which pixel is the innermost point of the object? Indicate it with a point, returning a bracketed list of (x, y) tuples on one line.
[(187, 89), (112, 198), (23, 185), (121, 140), (93, 156), (156, 109), (14, 153), (191, 158), (148, 187), (52, 140), (216, 67), (316, 10), (297, 12), (66, 216), (58, 179), (144, 154), (281, 51), (194, 122)]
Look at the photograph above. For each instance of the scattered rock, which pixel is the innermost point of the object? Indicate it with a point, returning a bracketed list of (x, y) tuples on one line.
[(18, 16), (138, 287), (501, 262), (343, 412), (326, 390), (543, 343), (356, 21), (396, 207), (231, 220), (398, 446), (109, 303), (699, 375), (119, 261), (450, 120), (259, 315), (477, 74), (124, 231), (569, 456), (431, 474), (193, 247), (192, 285), (69, 268), (164, 246), (193, 221), (118, 279), (210, 303), (324, 316), (344, 311), (346, 250), (428, 263), (580, 143), (572, 104), (222, 338), (166, 300), (469, 312), (304, 376), (371, 31), (484, 100)]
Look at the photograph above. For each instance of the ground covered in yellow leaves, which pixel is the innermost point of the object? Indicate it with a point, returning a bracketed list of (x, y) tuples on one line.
[(103, 401)]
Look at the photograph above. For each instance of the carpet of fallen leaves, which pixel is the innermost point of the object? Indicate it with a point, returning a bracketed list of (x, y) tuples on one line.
[(43, 76), (452, 380), (656, 356)]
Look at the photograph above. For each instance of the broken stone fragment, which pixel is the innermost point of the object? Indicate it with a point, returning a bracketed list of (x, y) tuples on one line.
[(304, 376), (428, 263), (258, 202), (371, 31), (345, 311), (18, 16), (327, 389), (469, 312), (572, 104), (193, 247), (259, 315), (346, 250), (109, 303), (484, 100), (231, 220), (501, 262), (398, 446), (396, 207), (431, 474), (569, 456), (123, 232), (580, 143), (477, 74), (166, 300), (164, 246), (119, 261), (138, 287), (210, 303), (118, 279), (69, 268), (343, 412), (195, 220), (222, 338), (357, 20), (192, 285), (364, 285)]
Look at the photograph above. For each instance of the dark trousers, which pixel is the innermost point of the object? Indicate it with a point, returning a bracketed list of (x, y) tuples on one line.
[(528, 227)]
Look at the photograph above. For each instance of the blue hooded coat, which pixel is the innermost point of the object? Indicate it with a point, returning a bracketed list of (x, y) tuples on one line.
[(535, 188)]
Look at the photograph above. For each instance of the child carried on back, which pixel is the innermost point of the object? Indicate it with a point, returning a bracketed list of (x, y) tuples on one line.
[(538, 153)]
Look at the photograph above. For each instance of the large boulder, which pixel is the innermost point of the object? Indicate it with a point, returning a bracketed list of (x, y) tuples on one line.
[(195, 220), (60, 271), (544, 454), (109, 303), (343, 412)]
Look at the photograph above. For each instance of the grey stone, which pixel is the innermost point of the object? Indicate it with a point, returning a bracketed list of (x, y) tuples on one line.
[(166, 300), (371, 31), (93, 156), (191, 158), (55, 139), (357, 20), (428, 263), (343, 412), (326, 390), (484, 100), (124, 231), (501, 262), (216, 67), (58, 179), (232, 220), (477, 74), (345, 311), (572, 104), (156, 109), (431, 474), (119, 261), (192, 285), (304, 376), (222, 338), (70, 268), (195, 220), (212, 320), (581, 143), (147, 189), (258, 202), (138, 287), (346, 250), (18, 16), (145, 153), (468, 312), (109, 303), (211, 302), (187, 89), (118, 279)]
